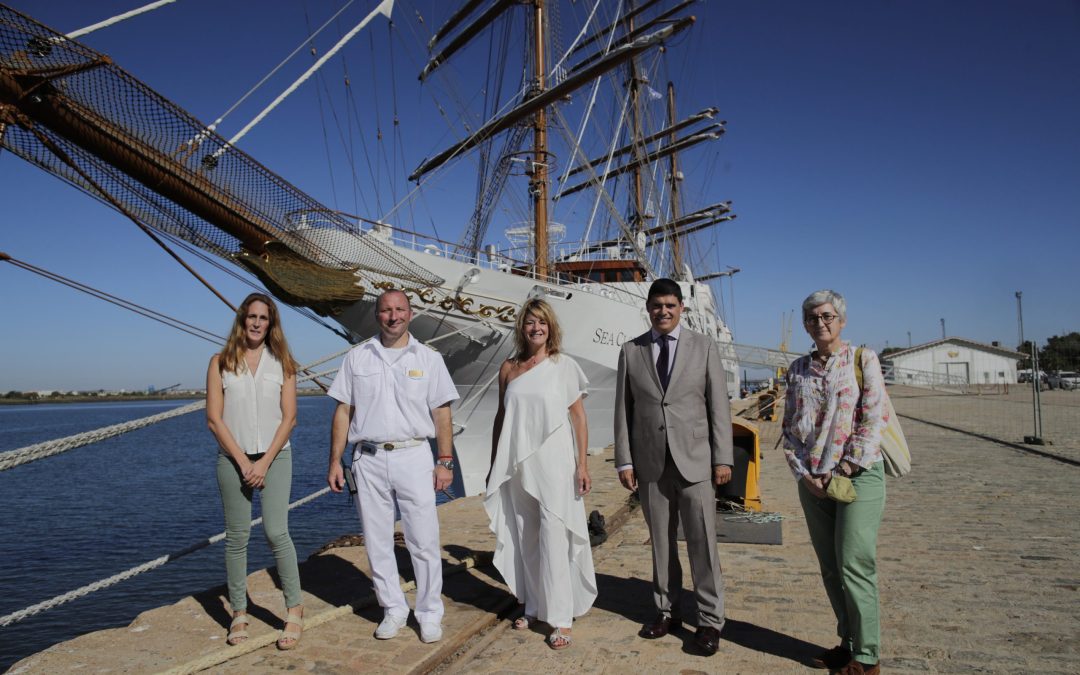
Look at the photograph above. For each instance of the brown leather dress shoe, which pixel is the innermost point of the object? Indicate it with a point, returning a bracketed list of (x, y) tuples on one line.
[(834, 658), (853, 667), (660, 627), (707, 640)]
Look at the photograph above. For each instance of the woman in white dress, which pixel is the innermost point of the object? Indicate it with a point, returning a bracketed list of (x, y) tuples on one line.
[(539, 477)]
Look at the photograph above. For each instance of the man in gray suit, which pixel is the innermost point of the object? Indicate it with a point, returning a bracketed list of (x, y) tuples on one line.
[(673, 445)]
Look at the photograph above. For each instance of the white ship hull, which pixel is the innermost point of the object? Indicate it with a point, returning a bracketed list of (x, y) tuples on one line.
[(470, 321)]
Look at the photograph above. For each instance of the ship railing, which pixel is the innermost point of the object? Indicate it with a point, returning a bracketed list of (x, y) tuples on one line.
[(502, 260)]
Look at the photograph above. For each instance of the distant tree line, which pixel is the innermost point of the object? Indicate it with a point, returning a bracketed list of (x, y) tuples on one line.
[(34, 397), (1061, 352)]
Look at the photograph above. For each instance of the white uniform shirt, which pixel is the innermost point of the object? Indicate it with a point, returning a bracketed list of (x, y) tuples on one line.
[(252, 410), (392, 390)]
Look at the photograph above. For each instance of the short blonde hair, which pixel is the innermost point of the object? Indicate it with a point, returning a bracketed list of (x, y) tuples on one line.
[(543, 311)]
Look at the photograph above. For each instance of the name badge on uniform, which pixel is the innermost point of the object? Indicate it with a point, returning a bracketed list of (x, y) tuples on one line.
[(415, 374)]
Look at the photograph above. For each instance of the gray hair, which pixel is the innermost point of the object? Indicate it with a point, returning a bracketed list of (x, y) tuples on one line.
[(825, 296)]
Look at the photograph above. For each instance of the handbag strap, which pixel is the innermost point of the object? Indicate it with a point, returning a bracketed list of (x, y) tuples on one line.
[(858, 370)]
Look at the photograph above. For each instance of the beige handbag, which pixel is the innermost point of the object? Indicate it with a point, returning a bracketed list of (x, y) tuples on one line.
[(894, 447)]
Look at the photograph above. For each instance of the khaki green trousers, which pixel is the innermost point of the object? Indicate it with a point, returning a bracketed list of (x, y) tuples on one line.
[(845, 540), (274, 500)]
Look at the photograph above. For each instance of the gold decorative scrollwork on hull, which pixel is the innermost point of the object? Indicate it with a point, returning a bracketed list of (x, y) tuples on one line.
[(461, 303)]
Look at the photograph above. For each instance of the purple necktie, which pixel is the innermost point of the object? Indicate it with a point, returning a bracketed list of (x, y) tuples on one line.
[(663, 360)]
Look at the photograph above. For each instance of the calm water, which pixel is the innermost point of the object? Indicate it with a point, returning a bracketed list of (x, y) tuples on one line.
[(72, 519)]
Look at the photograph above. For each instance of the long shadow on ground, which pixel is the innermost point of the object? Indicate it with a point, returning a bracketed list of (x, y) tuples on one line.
[(632, 598)]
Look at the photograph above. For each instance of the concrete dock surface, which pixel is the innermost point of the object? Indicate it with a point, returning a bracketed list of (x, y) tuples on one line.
[(978, 568)]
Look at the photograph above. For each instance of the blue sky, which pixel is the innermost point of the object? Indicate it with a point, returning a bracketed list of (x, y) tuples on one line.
[(920, 157)]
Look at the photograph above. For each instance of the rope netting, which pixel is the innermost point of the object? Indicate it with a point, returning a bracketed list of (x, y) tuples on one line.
[(69, 110)]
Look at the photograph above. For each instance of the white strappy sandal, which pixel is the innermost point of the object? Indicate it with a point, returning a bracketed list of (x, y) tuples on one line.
[(557, 635)]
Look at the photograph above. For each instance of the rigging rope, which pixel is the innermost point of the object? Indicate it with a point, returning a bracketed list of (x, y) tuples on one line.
[(120, 302), (581, 34), (134, 571), (278, 67), (383, 8), (117, 19)]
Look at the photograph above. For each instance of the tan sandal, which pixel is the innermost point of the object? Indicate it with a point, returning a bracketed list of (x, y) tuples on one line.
[(236, 637), (559, 640), (290, 638)]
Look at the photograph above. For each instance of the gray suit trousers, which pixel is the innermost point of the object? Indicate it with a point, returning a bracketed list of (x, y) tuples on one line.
[(665, 503)]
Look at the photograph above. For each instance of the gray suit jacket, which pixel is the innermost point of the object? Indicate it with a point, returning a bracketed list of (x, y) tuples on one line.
[(692, 419)]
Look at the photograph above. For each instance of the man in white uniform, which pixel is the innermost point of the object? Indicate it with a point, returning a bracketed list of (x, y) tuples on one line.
[(394, 394)]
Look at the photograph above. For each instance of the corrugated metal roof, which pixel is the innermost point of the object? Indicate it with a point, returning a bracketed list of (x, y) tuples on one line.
[(1000, 351)]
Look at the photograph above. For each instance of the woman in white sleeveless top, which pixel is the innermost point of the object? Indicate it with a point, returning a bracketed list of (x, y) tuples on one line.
[(251, 410), (539, 477)]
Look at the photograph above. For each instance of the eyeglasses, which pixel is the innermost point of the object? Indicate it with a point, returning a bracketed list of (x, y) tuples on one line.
[(826, 319)]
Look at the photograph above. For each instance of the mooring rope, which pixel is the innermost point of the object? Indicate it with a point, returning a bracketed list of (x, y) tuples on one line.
[(14, 458), (134, 571)]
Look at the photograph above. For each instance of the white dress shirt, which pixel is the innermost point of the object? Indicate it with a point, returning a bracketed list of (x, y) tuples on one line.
[(252, 407), (393, 391)]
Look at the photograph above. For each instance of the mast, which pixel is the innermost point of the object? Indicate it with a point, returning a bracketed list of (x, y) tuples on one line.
[(539, 183), (638, 219), (676, 251), (530, 105)]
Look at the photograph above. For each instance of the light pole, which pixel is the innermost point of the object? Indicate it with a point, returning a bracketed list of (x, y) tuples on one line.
[(942, 328), (909, 339), (1036, 378), (1020, 317)]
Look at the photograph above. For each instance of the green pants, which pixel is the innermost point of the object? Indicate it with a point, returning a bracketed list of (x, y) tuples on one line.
[(845, 540), (236, 501)]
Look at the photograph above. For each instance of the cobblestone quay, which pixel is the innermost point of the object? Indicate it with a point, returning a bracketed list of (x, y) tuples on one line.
[(978, 566)]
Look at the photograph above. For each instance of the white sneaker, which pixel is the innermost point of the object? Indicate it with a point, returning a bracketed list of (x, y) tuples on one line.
[(390, 626), (430, 632)]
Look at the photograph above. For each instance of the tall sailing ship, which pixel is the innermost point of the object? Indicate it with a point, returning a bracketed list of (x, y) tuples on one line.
[(71, 111)]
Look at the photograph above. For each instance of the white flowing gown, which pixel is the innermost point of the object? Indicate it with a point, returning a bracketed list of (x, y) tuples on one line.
[(541, 536)]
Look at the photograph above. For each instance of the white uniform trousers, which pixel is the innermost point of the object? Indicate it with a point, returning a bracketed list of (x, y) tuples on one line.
[(403, 476)]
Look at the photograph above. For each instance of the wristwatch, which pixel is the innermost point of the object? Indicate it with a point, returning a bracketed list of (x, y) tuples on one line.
[(447, 464)]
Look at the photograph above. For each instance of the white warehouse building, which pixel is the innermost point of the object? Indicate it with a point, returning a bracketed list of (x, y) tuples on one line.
[(955, 361)]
